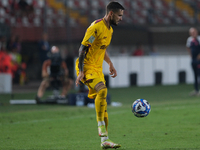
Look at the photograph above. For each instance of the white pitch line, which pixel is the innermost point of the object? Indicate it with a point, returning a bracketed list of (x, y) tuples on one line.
[(69, 118), (83, 116)]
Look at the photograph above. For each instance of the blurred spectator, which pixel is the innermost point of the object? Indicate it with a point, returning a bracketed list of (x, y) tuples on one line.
[(123, 52), (18, 68), (153, 51), (3, 43), (44, 48), (15, 56), (23, 5), (11, 42), (139, 50), (17, 44), (24, 8), (193, 47), (5, 62), (14, 7), (14, 42), (11, 60), (150, 15)]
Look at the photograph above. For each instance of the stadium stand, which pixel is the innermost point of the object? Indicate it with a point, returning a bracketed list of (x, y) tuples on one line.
[(63, 18), (82, 12)]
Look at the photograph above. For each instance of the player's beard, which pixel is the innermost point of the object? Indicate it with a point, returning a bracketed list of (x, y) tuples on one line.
[(113, 22)]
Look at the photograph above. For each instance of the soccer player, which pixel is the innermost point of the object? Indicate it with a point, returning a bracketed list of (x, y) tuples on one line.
[(92, 53), (57, 66), (193, 47)]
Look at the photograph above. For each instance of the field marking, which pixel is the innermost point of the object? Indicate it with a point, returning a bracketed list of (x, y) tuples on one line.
[(68, 118), (92, 115)]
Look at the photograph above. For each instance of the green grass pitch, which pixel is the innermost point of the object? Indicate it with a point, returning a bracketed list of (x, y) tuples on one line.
[(173, 123)]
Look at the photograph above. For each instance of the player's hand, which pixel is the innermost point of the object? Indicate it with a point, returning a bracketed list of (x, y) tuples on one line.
[(113, 72), (79, 78)]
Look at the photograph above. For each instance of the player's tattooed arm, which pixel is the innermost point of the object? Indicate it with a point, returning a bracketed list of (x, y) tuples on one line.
[(82, 51)]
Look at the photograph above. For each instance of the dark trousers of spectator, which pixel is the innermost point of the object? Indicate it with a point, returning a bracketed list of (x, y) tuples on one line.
[(196, 71)]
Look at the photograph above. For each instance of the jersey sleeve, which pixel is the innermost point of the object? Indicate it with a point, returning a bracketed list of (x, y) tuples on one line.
[(188, 42), (90, 35)]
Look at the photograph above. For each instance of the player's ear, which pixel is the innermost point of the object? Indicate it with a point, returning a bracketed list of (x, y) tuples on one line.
[(110, 13)]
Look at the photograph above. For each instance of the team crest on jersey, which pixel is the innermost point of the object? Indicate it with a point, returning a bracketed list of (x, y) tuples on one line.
[(91, 39)]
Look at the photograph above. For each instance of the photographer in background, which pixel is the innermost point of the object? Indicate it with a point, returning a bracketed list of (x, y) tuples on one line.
[(54, 70)]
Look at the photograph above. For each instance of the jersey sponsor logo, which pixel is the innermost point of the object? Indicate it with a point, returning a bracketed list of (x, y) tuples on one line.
[(91, 39), (103, 47)]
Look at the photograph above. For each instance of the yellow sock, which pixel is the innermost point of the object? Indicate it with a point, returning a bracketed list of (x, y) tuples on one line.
[(100, 104), (106, 123), (106, 118)]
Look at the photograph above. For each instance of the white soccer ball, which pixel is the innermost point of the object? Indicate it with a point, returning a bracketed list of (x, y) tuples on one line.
[(141, 108)]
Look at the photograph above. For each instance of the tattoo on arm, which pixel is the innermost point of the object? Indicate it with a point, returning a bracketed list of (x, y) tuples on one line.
[(82, 50)]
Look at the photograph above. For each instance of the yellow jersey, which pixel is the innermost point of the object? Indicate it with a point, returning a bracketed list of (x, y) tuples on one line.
[(97, 37)]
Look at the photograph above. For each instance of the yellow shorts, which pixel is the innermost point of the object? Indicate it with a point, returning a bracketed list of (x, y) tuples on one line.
[(91, 79)]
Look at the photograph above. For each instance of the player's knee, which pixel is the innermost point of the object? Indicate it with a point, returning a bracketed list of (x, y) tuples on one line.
[(102, 93), (44, 84)]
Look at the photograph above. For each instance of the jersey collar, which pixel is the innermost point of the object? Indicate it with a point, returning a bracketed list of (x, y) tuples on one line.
[(106, 24)]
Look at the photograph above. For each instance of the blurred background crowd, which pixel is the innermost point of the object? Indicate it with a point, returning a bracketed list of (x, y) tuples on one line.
[(29, 28)]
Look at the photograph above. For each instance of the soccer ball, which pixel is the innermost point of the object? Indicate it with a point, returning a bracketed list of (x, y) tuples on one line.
[(141, 108)]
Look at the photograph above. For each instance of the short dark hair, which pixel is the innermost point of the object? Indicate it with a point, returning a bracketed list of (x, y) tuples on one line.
[(114, 6)]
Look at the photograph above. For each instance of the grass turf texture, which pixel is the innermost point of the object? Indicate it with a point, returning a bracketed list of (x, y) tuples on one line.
[(173, 123)]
